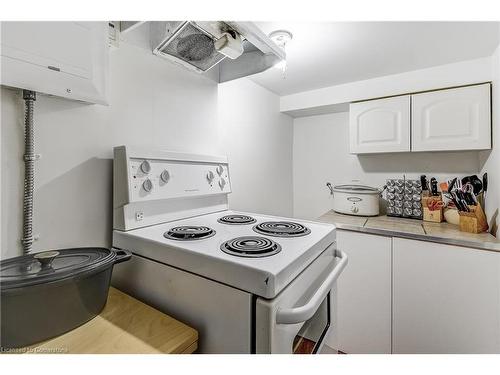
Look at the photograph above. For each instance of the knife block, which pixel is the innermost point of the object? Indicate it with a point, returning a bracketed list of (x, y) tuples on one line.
[(434, 216), (473, 221)]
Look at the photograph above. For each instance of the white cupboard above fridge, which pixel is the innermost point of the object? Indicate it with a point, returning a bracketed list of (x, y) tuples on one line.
[(444, 120), (67, 59)]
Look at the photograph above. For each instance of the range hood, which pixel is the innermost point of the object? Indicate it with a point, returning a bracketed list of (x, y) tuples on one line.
[(235, 49)]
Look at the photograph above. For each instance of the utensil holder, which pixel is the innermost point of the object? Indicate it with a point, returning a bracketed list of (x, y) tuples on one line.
[(473, 221)]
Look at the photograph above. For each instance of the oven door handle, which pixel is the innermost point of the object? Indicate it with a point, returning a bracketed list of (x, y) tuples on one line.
[(305, 312)]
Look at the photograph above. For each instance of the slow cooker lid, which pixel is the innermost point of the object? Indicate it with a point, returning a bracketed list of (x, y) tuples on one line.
[(356, 189), (28, 270)]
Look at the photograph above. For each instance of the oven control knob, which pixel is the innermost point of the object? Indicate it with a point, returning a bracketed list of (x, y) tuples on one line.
[(165, 176), (145, 166), (354, 209), (220, 169), (210, 176), (147, 185), (222, 183)]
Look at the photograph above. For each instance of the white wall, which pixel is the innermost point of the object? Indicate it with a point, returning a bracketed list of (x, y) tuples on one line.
[(490, 160), (321, 154), (460, 73), (258, 141), (152, 103)]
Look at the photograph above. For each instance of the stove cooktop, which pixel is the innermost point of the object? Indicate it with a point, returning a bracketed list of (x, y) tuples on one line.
[(225, 257)]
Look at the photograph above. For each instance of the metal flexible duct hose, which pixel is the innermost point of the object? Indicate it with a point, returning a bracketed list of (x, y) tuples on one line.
[(29, 171)]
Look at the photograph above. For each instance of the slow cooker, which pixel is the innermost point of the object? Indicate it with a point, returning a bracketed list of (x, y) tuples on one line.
[(358, 200)]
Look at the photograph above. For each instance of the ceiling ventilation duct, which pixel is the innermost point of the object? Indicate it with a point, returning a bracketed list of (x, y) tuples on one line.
[(236, 49)]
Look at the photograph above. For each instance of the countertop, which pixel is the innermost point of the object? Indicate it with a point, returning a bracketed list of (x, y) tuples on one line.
[(413, 229), (125, 326)]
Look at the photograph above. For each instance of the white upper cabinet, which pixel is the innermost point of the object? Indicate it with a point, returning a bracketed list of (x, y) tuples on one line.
[(68, 59), (444, 120), (381, 125), (454, 119)]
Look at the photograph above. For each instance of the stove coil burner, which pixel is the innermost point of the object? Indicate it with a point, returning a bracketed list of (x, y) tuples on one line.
[(281, 229), (188, 233), (236, 219), (251, 247)]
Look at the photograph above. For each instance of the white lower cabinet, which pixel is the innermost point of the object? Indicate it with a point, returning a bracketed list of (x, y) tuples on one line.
[(446, 299), (364, 294)]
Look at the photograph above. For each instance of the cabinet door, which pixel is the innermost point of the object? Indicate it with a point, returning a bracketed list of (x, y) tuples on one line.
[(68, 59), (454, 119), (446, 299), (363, 321), (380, 125)]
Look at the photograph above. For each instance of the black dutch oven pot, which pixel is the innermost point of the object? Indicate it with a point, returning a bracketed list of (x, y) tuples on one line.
[(46, 294)]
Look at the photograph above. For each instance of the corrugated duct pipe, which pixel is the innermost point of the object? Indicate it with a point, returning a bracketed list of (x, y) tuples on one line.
[(29, 170)]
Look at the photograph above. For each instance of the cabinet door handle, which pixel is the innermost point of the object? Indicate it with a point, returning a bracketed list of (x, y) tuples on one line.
[(55, 68)]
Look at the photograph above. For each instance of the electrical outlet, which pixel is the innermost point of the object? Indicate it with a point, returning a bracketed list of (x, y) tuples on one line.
[(139, 216)]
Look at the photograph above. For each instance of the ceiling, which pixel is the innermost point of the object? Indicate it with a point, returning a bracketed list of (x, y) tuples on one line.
[(324, 54)]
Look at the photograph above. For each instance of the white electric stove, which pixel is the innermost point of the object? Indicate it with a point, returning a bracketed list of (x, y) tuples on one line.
[(248, 283)]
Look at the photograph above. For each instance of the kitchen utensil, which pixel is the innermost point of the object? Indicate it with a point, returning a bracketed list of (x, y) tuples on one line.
[(469, 195), (434, 204), (423, 183), (452, 184), (477, 184), (434, 190), (46, 294), (485, 188), (457, 199), (466, 180)]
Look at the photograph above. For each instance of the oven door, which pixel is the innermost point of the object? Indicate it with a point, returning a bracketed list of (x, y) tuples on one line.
[(299, 318)]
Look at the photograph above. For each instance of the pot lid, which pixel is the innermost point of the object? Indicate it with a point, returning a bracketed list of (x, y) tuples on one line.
[(49, 266), (356, 189)]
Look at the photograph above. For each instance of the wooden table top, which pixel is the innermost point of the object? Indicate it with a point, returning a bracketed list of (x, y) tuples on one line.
[(125, 326)]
